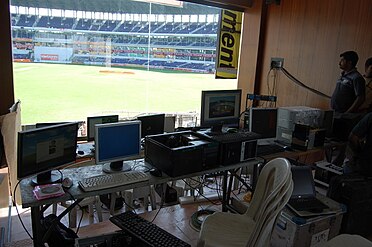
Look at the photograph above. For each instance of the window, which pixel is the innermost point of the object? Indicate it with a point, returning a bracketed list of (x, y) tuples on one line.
[(122, 57)]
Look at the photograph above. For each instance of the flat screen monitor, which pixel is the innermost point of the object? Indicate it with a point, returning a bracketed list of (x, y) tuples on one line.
[(92, 121), (152, 124), (263, 121), (42, 150), (42, 125), (220, 108), (116, 142)]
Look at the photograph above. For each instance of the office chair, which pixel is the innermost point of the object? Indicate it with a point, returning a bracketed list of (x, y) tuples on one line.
[(345, 240), (254, 227)]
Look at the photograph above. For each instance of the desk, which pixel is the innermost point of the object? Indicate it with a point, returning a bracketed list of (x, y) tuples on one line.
[(38, 207), (309, 156)]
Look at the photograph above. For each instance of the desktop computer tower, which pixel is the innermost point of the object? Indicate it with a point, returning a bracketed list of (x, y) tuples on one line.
[(291, 115), (181, 153), (236, 148), (304, 137)]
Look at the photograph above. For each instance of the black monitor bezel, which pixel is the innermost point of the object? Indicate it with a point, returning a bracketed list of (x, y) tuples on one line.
[(150, 119), (228, 122), (252, 110), (47, 124), (21, 174), (89, 119)]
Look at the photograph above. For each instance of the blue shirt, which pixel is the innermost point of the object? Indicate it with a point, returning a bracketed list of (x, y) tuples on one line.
[(348, 87)]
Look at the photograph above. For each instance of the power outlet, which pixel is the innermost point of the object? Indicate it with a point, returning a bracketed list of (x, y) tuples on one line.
[(276, 62)]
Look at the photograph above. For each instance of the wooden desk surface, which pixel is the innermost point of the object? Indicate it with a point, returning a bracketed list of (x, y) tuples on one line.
[(309, 156), (174, 219)]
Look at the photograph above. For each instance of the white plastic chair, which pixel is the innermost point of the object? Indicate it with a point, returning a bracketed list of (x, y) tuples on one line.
[(254, 227)]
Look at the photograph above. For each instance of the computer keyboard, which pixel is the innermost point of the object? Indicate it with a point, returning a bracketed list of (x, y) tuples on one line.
[(269, 149), (145, 231), (105, 181)]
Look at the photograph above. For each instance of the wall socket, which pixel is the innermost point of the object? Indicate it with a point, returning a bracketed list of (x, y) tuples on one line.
[(276, 62)]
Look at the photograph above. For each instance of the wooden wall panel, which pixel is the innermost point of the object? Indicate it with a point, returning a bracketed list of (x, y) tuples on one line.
[(249, 50), (6, 66), (310, 36)]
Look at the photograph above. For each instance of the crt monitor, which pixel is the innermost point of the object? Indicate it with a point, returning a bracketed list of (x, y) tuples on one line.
[(220, 108), (42, 150), (92, 121), (263, 121), (152, 124), (116, 142)]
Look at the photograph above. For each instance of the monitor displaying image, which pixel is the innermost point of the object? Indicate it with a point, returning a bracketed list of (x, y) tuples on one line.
[(44, 149), (220, 107)]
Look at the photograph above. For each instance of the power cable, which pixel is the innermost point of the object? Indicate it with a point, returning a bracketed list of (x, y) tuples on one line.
[(299, 83), (19, 216)]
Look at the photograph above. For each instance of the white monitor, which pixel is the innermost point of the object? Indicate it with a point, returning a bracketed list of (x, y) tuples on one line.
[(117, 142)]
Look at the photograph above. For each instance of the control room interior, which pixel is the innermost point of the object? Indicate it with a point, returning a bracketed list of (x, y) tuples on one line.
[(306, 37)]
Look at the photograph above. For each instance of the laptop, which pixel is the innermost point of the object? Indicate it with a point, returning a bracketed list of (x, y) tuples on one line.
[(303, 200)]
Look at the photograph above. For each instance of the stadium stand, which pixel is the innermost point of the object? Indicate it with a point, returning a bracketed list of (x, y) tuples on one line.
[(189, 46)]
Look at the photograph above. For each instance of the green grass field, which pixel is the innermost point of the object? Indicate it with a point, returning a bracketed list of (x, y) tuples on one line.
[(55, 92)]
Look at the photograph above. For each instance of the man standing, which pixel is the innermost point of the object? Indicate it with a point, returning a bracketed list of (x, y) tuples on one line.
[(349, 93), (367, 105), (347, 97)]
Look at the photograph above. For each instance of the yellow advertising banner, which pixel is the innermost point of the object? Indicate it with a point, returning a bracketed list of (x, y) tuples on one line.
[(228, 44)]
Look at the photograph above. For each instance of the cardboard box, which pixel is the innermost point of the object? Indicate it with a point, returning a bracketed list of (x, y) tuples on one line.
[(292, 230)]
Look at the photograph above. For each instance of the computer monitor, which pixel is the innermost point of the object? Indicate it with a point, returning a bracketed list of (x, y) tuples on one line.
[(152, 124), (92, 121), (116, 142), (263, 121), (42, 150), (47, 124), (220, 108)]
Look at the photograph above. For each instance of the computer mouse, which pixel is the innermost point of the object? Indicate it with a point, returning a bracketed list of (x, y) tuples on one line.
[(232, 130), (155, 172), (67, 183)]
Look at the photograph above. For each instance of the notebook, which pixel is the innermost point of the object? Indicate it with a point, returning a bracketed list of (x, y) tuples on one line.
[(303, 200)]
